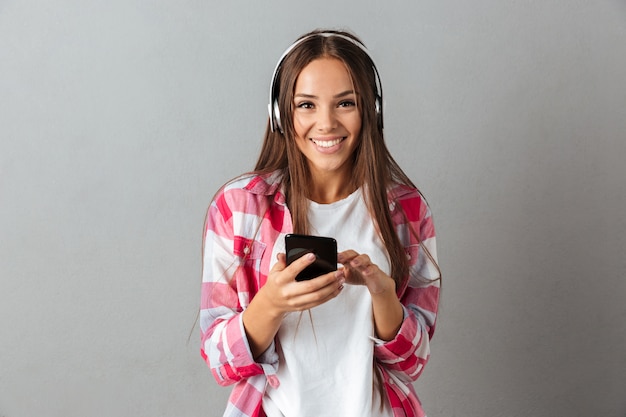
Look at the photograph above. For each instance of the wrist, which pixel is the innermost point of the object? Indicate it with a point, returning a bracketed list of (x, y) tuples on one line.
[(388, 311), (265, 305), (382, 287)]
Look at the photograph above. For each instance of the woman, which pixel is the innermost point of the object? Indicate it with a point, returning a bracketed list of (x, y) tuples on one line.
[(324, 169)]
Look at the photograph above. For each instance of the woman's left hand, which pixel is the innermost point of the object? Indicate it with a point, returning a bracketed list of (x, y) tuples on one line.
[(388, 311), (359, 270)]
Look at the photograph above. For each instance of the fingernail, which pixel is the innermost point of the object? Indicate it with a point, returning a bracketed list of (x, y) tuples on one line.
[(310, 256), (339, 273)]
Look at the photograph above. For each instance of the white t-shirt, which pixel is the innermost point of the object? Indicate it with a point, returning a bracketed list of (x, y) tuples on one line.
[(326, 356)]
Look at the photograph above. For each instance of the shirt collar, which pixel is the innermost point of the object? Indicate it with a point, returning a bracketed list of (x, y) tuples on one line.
[(268, 184)]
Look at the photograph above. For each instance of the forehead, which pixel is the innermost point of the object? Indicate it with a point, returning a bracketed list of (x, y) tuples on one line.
[(323, 75)]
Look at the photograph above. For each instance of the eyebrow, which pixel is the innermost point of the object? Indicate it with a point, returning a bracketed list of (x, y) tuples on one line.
[(342, 94)]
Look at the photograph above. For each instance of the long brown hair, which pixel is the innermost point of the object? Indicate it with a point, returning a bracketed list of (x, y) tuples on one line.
[(374, 169)]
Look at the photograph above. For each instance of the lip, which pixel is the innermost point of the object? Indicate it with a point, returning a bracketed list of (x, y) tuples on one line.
[(327, 143)]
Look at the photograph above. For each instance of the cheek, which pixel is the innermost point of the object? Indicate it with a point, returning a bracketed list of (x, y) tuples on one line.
[(300, 141), (356, 126), (300, 126), (300, 132)]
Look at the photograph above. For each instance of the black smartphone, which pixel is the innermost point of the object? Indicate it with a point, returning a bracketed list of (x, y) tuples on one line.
[(324, 248)]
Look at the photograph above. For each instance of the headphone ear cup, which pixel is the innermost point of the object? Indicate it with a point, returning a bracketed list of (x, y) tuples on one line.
[(277, 117)]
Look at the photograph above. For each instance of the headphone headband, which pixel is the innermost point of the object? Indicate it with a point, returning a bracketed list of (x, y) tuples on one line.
[(272, 106)]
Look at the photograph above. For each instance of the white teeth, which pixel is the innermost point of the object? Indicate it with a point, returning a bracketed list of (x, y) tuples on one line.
[(327, 143)]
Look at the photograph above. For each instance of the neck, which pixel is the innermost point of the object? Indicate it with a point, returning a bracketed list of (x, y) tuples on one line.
[(330, 188)]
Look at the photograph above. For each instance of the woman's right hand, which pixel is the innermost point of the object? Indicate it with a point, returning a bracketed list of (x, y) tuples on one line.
[(282, 294)]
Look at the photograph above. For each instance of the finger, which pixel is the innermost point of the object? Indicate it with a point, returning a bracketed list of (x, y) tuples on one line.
[(328, 287), (353, 275), (299, 264), (319, 283), (369, 270), (346, 256), (360, 262), (282, 257), (281, 262), (329, 296), (361, 268)]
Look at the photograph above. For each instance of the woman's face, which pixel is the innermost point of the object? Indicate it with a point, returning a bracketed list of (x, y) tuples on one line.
[(326, 118)]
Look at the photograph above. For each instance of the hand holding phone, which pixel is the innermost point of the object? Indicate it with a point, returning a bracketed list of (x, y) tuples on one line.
[(324, 248)]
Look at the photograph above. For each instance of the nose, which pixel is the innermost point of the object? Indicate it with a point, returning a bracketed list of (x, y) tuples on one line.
[(326, 119)]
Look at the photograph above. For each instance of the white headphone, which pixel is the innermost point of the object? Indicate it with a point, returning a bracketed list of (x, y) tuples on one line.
[(272, 107)]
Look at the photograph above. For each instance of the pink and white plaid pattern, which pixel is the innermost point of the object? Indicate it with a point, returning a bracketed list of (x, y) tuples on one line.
[(244, 220)]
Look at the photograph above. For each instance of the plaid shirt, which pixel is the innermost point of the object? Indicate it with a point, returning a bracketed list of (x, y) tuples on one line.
[(244, 220)]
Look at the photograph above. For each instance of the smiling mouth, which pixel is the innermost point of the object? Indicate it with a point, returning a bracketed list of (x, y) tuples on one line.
[(327, 143)]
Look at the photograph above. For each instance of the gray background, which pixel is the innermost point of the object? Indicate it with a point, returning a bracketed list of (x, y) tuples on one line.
[(119, 119)]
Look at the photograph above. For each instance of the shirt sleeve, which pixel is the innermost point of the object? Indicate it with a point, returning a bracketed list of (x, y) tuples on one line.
[(406, 355), (226, 289)]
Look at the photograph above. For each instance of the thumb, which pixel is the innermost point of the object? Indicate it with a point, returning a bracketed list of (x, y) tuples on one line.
[(281, 262)]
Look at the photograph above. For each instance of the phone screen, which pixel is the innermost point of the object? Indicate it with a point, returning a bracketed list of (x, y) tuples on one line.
[(324, 248)]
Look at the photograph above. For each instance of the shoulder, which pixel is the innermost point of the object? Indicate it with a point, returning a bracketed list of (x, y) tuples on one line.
[(252, 185), (248, 192), (409, 198), (255, 183)]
